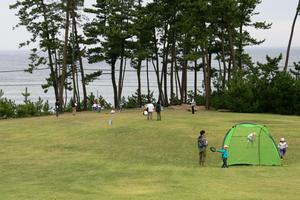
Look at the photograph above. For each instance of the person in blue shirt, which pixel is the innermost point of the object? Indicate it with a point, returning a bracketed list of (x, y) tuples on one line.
[(224, 152)]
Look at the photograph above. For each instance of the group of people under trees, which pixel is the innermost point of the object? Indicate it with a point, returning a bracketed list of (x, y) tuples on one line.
[(149, 109), (57, 107), (203, 144)]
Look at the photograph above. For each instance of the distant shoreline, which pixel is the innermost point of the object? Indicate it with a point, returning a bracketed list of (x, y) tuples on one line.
[(247, 48)]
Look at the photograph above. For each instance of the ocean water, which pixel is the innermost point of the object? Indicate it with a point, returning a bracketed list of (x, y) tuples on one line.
[(13, 79)]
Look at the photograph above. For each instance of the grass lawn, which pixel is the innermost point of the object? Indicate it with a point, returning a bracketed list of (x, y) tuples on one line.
[(82, 157)]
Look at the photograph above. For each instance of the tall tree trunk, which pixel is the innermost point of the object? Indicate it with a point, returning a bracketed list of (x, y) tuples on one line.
[(166, 78), (113, 80), (206, 76), (206, 80), (186, 50), (172, 69), (183, 83), (138, 71), (223, 60), (165, 68), (231, 46), (177, 81), (74, 59), (77, 87), (53, 73), (240, 46), (156, 68), (65, 54), (195, 78), (80, 62), (148, 85), (229, 70), (291, 38), (122, 80), (121, 74), (74, 83), (73, 68)]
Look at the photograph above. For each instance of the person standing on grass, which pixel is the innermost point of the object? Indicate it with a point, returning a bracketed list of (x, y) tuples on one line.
[(158, 110), (57, 108), (224, 152), (73, 104), (193, 104), (282, 146), (202, 145), (150, 109)]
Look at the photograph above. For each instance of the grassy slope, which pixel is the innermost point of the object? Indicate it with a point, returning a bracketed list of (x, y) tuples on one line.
[(82, 157)]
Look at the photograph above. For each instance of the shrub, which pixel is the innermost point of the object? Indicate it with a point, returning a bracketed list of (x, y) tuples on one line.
[(132, 101), (199, 99), (7, 108)]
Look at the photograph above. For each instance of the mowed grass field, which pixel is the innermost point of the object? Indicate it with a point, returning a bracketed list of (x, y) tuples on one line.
[(82, 157)]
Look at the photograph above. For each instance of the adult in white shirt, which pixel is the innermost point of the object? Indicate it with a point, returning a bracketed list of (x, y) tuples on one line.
[(150, 109)]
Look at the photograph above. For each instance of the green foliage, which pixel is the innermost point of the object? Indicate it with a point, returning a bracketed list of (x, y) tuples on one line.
[(132, 101), (29, 109), (91, 99), (92, 76), (44, 21), (46, 108), (7, 108), (174, 100), (262, 89), (103, 103), (1, 93), (218, 99), (240, 95), (296, 71), (26, 95), (99, 100), (26, 110), (286, 93), (199, 99)]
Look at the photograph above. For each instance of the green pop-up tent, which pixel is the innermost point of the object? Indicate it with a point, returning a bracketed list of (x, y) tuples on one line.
[(261, 150)]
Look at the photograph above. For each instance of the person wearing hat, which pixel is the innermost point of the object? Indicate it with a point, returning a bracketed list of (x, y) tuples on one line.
[(282, 146), (224, 152), (251, 137)]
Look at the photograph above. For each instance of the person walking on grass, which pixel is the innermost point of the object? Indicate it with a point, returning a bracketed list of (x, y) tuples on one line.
[(193, 104), (57, 108), (158, 110), (73, 104), (202, 145), (282, 146), (150, 109), (224, 152)]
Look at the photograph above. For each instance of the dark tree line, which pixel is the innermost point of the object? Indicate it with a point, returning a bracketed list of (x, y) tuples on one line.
[(171, 36)]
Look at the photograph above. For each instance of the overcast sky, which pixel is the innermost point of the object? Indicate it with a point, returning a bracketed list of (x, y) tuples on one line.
[(278, 12)]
